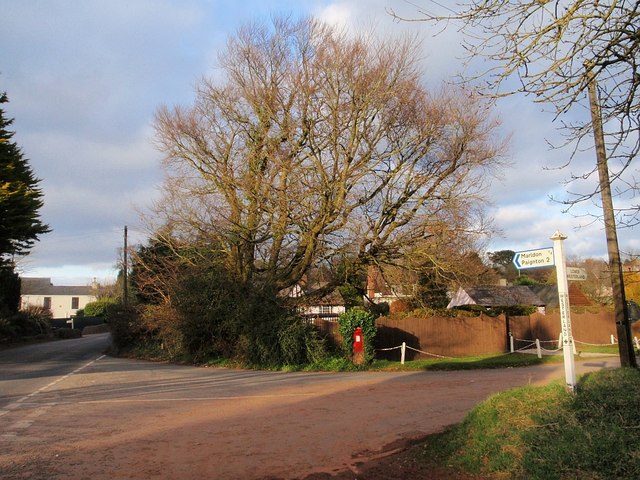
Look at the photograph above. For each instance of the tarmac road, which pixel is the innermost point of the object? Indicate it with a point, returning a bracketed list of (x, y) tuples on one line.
[(69, 412)]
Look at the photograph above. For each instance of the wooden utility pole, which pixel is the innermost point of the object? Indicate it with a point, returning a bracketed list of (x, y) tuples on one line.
[(623, 327), (125, 270)]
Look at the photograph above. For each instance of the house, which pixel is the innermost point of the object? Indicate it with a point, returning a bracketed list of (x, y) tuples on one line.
[(311, 305), (327, 307), (63, 301), (392, 285), (490, 296)]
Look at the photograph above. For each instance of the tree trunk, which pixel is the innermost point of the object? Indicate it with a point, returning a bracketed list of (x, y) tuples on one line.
[(623, 328)]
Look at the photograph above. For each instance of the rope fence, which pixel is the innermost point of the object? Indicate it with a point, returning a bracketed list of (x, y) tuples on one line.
[(403, 351), (532, 343)]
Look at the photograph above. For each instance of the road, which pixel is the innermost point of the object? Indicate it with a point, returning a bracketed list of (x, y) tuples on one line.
[(67, 411), (28, 369)]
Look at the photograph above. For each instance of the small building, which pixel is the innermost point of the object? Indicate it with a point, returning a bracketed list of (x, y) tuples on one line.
[(549, 295), (62, 301), (491, 296)]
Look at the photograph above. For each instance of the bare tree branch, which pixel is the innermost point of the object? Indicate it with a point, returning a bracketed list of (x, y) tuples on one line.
[(320, 144)]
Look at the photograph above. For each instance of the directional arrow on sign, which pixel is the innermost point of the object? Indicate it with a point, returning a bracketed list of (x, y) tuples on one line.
[(540, 257)]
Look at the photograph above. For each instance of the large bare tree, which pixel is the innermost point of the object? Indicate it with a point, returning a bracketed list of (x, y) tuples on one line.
[(572, 55), (313, 142)]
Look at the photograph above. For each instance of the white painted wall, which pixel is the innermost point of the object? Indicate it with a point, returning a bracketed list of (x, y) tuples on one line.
[(60, 304)]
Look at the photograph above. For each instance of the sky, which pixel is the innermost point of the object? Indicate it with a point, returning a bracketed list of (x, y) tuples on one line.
[(85, 78)]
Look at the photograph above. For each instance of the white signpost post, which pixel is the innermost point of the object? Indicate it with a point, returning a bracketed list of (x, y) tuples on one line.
[(565, 311), (548, 257)]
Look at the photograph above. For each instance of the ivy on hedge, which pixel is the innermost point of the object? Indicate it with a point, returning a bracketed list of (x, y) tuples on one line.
[(349, 321)]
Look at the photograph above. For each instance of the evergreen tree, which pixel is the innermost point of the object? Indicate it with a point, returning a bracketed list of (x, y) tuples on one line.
[(20, 197)]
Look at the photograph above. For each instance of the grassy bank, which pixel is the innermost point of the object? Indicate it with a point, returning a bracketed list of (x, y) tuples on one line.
[(547, 433), (153, 351)]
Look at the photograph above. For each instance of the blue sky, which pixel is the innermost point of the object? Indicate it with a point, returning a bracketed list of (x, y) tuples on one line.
[(84, 79)]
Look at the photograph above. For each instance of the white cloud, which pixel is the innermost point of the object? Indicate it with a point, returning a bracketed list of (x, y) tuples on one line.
[(85, 78), (338, 14)]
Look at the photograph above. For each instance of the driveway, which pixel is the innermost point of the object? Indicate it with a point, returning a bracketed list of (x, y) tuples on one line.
[(113, 418)]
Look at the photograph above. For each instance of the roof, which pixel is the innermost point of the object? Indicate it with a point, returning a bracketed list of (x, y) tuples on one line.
[(549, 294), (43, 286), (495, 296), (393, 282), (313, 294), (334, 298)]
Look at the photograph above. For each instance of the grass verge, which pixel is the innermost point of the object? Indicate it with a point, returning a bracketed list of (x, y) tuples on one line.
[(603, 349), (547, 433), (466, 363), (341, 364)]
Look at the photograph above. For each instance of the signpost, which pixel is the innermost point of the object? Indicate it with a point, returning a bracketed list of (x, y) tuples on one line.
[(540, 257), (565, 311), (548, 257)]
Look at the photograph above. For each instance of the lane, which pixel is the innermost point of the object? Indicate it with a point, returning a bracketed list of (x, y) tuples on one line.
[(28, 369), (128, 419)]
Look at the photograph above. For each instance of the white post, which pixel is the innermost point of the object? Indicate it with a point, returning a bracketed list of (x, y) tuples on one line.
[(565, 310), (511, 342), (538, 348), (613, 340), (403, 349)]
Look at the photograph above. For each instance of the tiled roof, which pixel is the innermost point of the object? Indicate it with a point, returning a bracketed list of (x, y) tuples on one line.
[(495, 296), (43, 286), (549, 294)]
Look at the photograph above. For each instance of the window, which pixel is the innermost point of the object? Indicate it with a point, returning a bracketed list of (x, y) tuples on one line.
[(324, 309), (47, 303), (75, 303)]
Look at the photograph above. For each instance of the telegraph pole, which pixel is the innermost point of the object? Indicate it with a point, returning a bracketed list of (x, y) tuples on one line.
[(125, 269), (623, 328)]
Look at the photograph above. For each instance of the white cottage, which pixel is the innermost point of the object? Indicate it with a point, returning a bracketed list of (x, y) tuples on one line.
[(63, 301)]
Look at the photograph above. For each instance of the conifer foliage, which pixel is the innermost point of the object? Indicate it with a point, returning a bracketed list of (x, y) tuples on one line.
[(20, 197)]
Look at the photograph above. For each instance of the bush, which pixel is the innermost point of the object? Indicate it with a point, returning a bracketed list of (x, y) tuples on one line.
[(220, 317), (29, 322), (195, 309), (99, 308), (300, 343), (212, 316), (511, 310), (348, 322), (126, 327), (8, 330), (161, 323)]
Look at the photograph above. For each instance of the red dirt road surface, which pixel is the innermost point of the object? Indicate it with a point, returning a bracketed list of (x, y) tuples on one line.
[(132, 420)]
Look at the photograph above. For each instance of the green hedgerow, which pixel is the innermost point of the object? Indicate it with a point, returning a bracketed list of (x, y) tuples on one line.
[(349, 321)]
